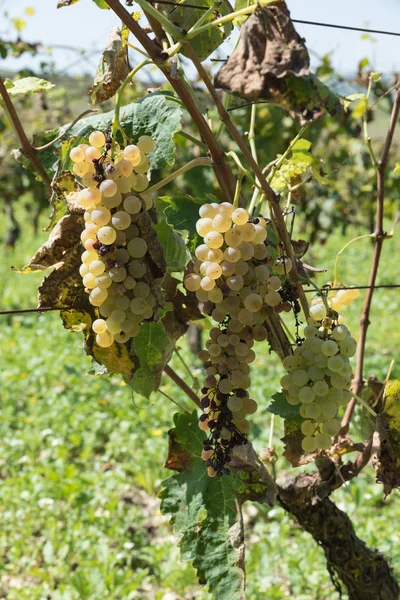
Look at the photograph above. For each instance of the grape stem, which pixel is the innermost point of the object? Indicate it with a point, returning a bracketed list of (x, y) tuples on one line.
[(379, 237), (27, 149), (186, 366), (70, 126), (183, 408), (201, 161), (116, 125), (339, 254), (182, 385)]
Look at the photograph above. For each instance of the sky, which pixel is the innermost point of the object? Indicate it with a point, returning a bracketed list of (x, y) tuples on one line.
[(83, 25)]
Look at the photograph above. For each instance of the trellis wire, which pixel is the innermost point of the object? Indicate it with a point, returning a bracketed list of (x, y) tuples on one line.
[(310, 291)]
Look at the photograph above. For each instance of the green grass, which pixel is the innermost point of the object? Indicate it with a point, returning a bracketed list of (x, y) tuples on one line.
[(81, 462)]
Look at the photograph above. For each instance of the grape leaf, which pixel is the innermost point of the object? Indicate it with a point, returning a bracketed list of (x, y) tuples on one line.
[(205, 512), (27, 85), (205, 43), (182, 212), (293, 435), (153, 348), (283, 409), (175, 250), (158, 115)]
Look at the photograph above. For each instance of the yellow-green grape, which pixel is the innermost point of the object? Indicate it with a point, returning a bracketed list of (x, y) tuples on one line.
[(240, 216), (80, 168), (132, 153), (97, 296), (77, 155), (207, 211), (117, 274), (105, 339), (89, 281), (106, 235), (214, 239), (87, 257), (103, 281), (99, 326), (101, 216), (97, 139), (108, 188), (309, 444), (246, 251), (221, 223), (112, 201), (274, 283), (92, 153), (125, 167), (137, 248), (253, 302), (97, 267), (121, 220), (140, 183), (272, 298), (146, 144), (132, 205), (138, 306), (318, 311)]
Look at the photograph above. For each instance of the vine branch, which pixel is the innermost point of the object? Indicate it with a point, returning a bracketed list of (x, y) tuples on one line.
[(27, 149), (379, 237)]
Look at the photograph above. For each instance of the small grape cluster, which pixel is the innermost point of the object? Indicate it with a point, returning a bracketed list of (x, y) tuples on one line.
[(233, 283), (318, 379), (336, 300), (113, 268), (225, 398)]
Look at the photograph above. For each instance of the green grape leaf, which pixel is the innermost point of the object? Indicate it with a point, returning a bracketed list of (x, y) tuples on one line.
[(283, 409), (182, 212), (173, 244), (292, 430), (113, 67), (158, 115), (153, 348), (207, 42), (27, 85), (205, 513)]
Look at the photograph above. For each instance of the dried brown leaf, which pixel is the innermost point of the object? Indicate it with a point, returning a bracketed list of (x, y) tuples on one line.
[(113, 68)]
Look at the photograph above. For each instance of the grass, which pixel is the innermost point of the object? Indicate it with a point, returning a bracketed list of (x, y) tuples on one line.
[(81, 462)]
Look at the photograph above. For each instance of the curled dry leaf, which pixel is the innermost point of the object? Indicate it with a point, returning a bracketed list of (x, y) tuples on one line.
[(386, 454), (113, 67), (271, 62)]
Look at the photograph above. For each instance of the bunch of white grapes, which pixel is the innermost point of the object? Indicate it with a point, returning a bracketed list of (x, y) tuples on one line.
[(232, 278), (232, 268), (336, 300), (318, 379), (113, 268)]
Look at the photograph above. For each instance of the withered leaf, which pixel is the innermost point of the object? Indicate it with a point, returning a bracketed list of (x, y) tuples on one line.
[(271, 62), (113, 67), (385, 455), (64, 237)]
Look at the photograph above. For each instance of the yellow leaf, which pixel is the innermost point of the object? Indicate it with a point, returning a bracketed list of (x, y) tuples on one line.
[(29, 11), (157, 432), (360, 109), (19, 24)]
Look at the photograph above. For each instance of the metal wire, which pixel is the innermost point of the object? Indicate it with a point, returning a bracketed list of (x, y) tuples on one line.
[(348, 27), (388, 286)]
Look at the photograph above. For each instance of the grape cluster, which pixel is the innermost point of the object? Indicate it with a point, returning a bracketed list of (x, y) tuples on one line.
[(318, 379), (113, 268), (336, 300), (235, 285)]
